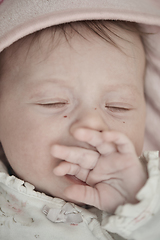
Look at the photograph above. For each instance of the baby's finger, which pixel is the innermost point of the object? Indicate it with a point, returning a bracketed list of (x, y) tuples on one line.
[(83, 157), (90, 136), (106, 148), (66, 168), (106, 142), (122, 142)]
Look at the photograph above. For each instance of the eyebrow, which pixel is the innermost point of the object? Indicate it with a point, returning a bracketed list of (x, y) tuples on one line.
[(54, 80), (128, 87), (44, 82), (125, 91), (60, 80), (38, 90)]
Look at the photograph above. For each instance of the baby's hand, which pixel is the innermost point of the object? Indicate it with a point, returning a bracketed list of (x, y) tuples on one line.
[(113, 174)]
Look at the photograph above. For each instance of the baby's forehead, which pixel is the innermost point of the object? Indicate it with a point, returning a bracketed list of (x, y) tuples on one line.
[(45, 41)]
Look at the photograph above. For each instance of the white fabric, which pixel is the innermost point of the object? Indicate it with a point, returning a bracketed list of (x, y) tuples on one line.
[(22, 212)]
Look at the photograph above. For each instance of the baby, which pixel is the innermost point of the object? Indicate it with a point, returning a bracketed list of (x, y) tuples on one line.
[(73, 112)]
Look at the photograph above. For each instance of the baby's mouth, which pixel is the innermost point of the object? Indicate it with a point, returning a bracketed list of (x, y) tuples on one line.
[(75, 180)]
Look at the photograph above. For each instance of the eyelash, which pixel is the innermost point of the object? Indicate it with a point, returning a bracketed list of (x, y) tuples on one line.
[(53, 105), (117, 109), (62, 104)]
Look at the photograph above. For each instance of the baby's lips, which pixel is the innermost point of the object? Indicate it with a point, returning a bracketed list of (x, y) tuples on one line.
[(75, 180)]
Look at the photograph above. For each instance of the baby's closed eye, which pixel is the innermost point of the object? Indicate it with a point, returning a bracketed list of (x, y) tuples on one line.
[(117, 108), (53, 104)]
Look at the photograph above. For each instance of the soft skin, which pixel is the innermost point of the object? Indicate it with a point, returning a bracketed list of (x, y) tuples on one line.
[(47, 95)]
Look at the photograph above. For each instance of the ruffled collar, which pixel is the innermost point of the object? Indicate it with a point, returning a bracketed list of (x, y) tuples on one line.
[(55, 209)]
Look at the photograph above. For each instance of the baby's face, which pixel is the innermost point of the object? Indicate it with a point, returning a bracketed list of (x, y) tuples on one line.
[(46, 96)]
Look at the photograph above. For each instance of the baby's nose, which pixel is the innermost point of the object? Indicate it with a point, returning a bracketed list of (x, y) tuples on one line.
[(92, 119)]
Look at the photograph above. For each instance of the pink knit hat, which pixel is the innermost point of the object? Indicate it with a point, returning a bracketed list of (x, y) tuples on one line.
[(19, 18)]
